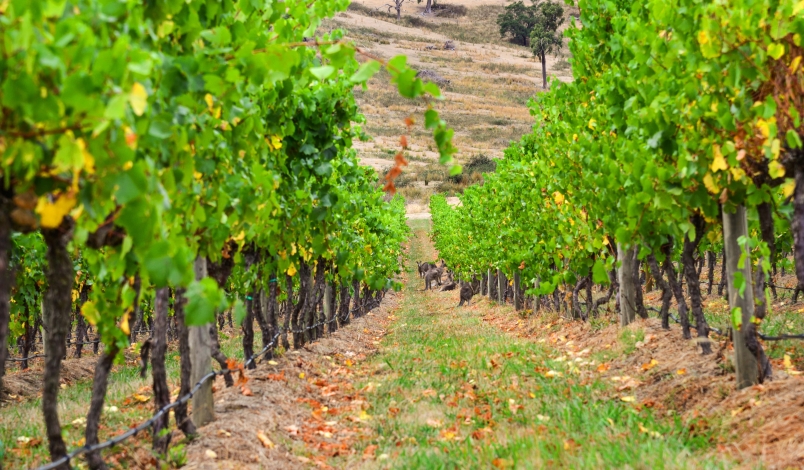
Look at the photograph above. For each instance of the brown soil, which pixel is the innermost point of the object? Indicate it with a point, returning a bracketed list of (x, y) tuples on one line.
[(305, 405), (761, 425), (27, 383)]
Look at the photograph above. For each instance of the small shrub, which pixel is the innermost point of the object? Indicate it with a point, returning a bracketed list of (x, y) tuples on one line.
[(562, 64), (447, 10), (449, 188), (481, 163)]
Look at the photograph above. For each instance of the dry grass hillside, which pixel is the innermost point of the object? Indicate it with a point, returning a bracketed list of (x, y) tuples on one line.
[(487, 83)]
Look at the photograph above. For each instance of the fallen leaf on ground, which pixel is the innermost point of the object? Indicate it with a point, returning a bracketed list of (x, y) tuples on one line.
[(628, 399), (650, 365), (210, 454), (293, 430), (502, 463), (140, 398), (434, 423), (267, 443), (368, 452)]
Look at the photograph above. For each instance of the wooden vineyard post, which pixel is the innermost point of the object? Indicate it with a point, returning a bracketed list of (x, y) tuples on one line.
[(201, 360), (735, 226), (517, 293), (488, 289), (625, 276), (536, 297), (500, 291)]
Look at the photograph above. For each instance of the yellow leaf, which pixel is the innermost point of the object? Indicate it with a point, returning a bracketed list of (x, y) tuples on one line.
[(52, 213), (140, 398), (710, 184), (764, 128), (89, 312), (775, 169), (558, 197), (275, 142), (798, 8), (364, 416), (737, 173), (650, 365), (794, 64), (718, 162), (89, 160), (209, 101), (138, 99), (628, 399), (681, 371), (267, 443), (788, 363), (291, 270), (301, 375), (592, 124), (124, 325), (788, 188), (703, 37)]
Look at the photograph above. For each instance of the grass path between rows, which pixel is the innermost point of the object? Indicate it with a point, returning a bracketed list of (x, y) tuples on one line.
[(449, 391)]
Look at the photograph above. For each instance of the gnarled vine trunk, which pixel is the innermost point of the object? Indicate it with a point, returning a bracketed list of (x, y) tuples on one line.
[(5, 284), (100, 384), (161, 432), (183, 420), (667, 294), (58, 305), (693, 284), (678, 292)]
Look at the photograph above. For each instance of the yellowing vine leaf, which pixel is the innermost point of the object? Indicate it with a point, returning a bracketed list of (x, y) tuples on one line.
[(291, 270), (124, 325), (710, 184), (138, 99), (275, 142), (788, 188), (52, 213), (718, 162)]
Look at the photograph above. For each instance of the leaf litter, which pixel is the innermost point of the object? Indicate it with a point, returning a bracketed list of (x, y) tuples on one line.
[(298, 410)]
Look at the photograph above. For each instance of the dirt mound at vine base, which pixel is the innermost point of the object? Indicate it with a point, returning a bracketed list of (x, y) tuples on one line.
[(304, 406), (24, 384), (763, 424)]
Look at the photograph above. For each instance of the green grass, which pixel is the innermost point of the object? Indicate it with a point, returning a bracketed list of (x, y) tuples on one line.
[(515, 416)]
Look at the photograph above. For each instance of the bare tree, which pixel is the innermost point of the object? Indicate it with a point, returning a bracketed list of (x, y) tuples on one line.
[(428, 7), (398, 7)]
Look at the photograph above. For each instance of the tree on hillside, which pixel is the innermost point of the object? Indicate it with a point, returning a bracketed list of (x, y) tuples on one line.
[(544, 37), (518, 20), (397, 5), (428, 7)]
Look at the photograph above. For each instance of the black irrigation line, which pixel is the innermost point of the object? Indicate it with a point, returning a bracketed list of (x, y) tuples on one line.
[(781, 337), (184, 399), (767, 284), (69, 343)]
